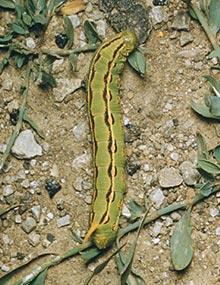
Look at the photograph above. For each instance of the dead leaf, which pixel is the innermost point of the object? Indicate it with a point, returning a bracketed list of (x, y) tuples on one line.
[(73, 7)]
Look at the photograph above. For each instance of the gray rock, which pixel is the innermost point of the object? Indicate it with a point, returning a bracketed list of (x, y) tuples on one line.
[(30, 43), (64, 221), (169, 177), (77, 184), (156, 229), (25, 145), (101, 28), (181, 21), (34, 239), (126, 212), (189, 173), (29, 225), (75, 20), (80, 131), (8, 190), (36, 212), (65, 87), (81, 160), (185, 38), (214, 212), (158, 15), (157, 197)]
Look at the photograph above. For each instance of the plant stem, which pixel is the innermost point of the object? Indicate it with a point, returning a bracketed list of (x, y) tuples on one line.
[(19, 122), (60, 52)]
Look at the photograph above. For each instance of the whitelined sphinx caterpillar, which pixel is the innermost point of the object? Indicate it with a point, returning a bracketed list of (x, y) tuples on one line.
[(107, 136)]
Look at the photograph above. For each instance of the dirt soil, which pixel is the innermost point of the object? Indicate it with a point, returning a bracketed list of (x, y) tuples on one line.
[(163, 134)]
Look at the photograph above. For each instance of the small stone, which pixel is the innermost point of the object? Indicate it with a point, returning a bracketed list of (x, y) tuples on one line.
[(89, 8), (64, 221), (36, 212), (217, 231), (53, 187), (2, 147), (7, 84), (168, 222), (25, 183), (8, 190), (146, 167), (25, 146), (75, 20), (34, 239), (174, 156), (5, 268), (169, 177), (157, 197), (29, 225), (7, 240), (88, 199), (155, 240), (214, 212), (80, 131), (189, 173), (101, 28), (126, 212), (181, 21), (54, 171), (57, 66), (156, 229), (158, 15), (175, 216), (81, 160), (50, 216), (65, 87), (185, 38), (30, 43), (18, 219), (50, 237)]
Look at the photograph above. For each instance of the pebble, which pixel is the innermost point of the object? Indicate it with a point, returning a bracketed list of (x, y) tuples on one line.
[(2, 147), (174, 156), (18, 219), (146, 167), (81, 161), (54, 171), (185, 38), (64, 221), (169, 177), (101, 28), (75, 20), (80, 131), (214, 212), (156, 229), (7, 240), (126, 212), (29, 225), (155, 240), (8, 190), (34, 239), (65, 87), (189, 173), (36, 212), (57, 66), (181, 21), (50, 216), (30, 43), (7, 84), (217, 231), (157, 197), (158, 15), (25, 146), (5, 268), (175, 216)]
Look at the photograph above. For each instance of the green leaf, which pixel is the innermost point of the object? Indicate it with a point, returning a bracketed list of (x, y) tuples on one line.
[(4, 62), (181, 242), (73, 61), (34, 126), (193, 14), (216, 153), (91, 32), (9, 4), (6, 38), (214, 84), (20, 60), (214, 17), (135, 209), (54, 5), (214, 105), (208, 166), (27, 19), (69, 30), (137, 61), (18, 29), (203, 110), (215, 53), (40, 279), (202, 147), (90, 254), (40, 19), (46, 80), (206, 189)]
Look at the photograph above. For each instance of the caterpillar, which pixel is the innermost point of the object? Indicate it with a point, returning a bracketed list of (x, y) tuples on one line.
[(107, 137)]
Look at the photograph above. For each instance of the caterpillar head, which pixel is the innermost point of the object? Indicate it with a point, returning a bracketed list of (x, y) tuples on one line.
[(130, 40)]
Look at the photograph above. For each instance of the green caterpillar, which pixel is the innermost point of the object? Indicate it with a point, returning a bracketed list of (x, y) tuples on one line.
[(108, 137)]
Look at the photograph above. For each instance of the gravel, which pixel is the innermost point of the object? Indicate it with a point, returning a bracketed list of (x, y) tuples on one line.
[(64, 221), (157, 197), (29, 225), (169, 177)]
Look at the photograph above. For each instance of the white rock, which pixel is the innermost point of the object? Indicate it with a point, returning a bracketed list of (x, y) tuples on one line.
[(189, 173), (81, 161), (5, 268), (214, 212), (36, 212), (8, 190), (34, 239), (157, 197), (65, 87), (54, 171), (30, 43), (18, 219), (75, 20), (7, 240), (80, 131), (146, 167), (25, 146), (217, 231), (101, 28), (2, 147), (29, 225), (169, 177), (174, 156), (126, 212), (50, 216), (156, 229)]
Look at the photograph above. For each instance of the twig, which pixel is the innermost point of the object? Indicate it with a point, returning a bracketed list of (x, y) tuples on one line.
[(19, 122)]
